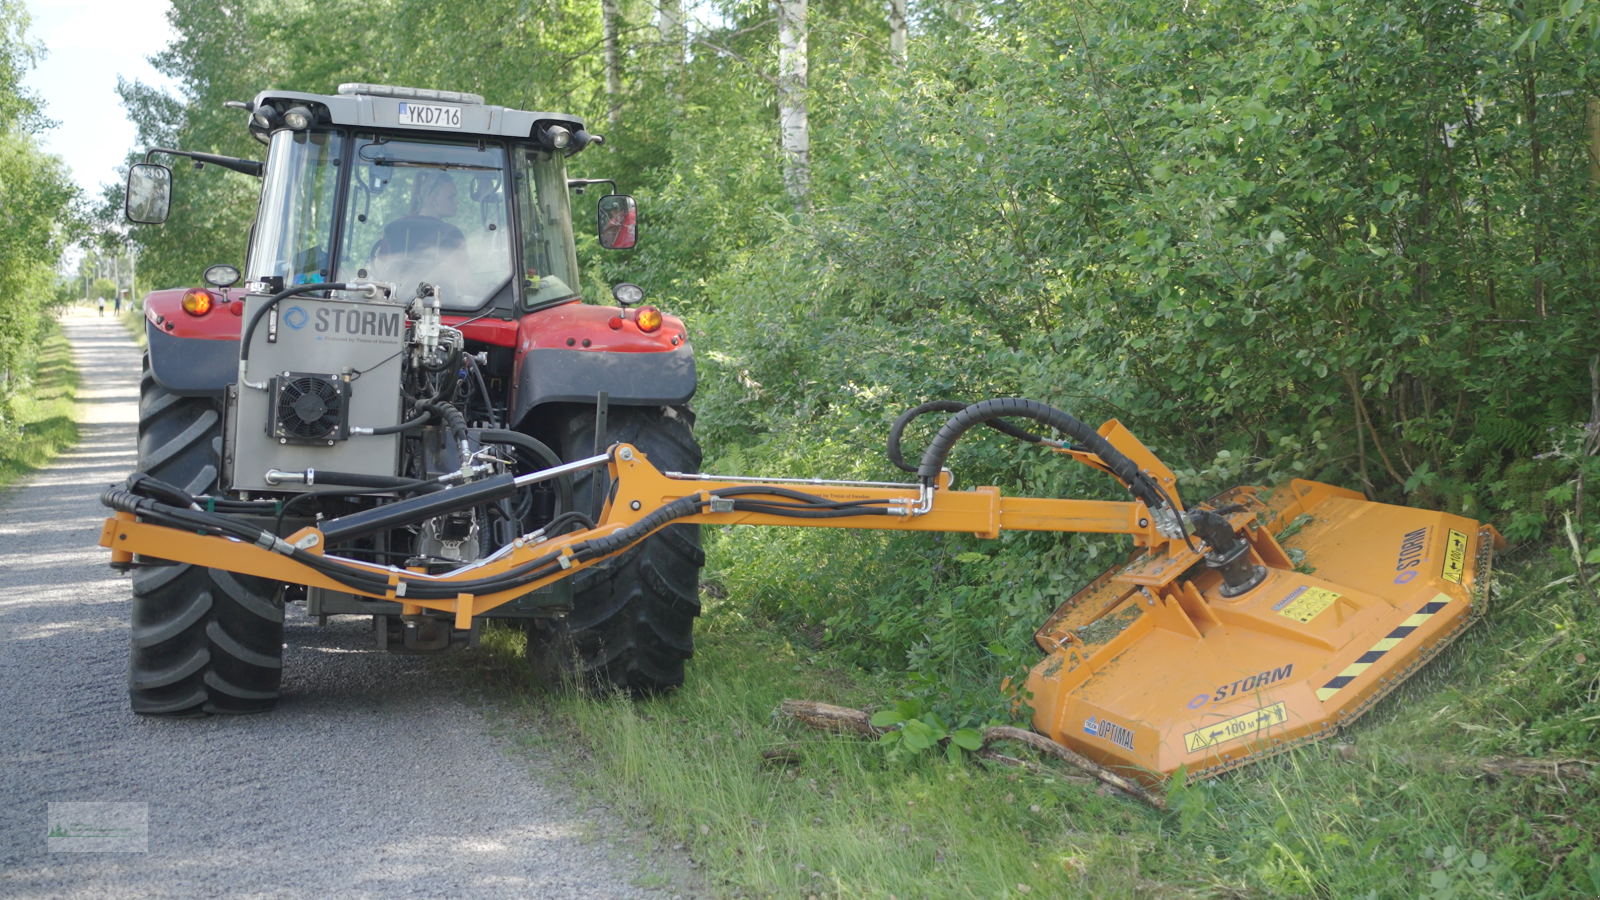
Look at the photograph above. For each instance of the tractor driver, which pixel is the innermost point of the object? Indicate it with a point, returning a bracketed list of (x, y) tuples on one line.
[(423, 245)]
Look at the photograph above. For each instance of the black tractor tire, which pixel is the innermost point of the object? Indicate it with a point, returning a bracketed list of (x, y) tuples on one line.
[(632, 623), (180, 438), (203, 640)]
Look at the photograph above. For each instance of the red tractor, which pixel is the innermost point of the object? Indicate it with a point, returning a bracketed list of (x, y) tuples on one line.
[(409, 319)]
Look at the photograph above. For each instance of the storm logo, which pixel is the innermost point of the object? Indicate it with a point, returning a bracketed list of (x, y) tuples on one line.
[(295, 318)]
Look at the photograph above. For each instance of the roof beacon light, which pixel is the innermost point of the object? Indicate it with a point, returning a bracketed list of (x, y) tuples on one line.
[(359, 88)]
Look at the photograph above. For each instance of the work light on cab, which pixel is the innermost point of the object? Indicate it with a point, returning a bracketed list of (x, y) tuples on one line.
[(648, 319), (198, 302)]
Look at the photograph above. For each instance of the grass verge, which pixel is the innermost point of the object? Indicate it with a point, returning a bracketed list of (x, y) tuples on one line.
[(1396, 809), (39, 419), (132, 319)]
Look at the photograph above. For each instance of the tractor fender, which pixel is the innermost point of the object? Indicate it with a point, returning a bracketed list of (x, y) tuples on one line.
[(192, 356), (570, 353)]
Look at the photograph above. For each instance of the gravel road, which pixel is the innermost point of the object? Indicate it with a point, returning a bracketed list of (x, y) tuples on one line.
[(373, 778)]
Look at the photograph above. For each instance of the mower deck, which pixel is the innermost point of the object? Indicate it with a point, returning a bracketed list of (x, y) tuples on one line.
[(1150, 668)]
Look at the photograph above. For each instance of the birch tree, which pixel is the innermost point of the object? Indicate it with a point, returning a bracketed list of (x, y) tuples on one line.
[(608, 29), (670, 27), (792, 124), (897, 31)]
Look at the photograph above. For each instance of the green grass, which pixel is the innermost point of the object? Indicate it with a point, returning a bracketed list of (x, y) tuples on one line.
[(39, 420), (1397, 812), (132, 319)]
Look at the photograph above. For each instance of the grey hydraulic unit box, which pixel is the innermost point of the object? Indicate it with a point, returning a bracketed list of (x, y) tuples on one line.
[(317, 371)]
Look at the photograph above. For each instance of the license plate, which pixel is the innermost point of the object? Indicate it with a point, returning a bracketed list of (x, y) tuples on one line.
[(429, 115)]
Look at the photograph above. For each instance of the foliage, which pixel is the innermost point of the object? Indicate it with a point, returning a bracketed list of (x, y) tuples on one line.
[(38, 203), (1326, 239), (37, 420)]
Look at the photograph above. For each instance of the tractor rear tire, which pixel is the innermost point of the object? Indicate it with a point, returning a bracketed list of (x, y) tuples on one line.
[(180, 438), (632, 623), (203, 640)]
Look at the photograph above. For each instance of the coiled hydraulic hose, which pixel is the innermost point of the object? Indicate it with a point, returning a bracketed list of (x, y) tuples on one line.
[(1139, 484), (948, 406), (452, 417), (539, 449)]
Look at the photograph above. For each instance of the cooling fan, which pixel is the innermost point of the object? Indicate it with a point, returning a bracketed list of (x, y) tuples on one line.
[(310, 409)]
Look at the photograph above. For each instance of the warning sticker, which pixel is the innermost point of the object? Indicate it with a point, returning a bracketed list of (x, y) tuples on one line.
[(1305, 602), (1455, 557), (1247, 725)]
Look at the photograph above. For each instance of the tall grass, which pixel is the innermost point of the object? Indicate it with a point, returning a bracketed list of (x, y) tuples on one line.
[(37, 417), (1395, 808)]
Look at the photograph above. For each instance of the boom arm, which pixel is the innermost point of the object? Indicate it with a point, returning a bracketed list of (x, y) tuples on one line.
[(644, 500)]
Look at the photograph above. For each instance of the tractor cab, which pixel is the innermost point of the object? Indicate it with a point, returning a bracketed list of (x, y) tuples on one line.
[(402, 185)]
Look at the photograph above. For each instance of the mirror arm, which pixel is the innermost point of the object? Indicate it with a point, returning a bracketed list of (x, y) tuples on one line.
[(578, 184), (231, 163)]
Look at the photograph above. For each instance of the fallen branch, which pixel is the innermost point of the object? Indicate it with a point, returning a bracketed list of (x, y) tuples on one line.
[(1032, 768), (1078, 761), (841, 719), (827, 717), (1538, 768)]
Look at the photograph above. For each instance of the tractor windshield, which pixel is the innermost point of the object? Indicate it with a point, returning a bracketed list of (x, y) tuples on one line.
[(426, 211), (295, 221)]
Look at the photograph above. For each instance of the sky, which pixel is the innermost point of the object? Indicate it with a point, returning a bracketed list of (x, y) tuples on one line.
[(88, 43)]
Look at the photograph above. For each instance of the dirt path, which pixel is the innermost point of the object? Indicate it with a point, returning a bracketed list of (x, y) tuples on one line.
[(372, 779)]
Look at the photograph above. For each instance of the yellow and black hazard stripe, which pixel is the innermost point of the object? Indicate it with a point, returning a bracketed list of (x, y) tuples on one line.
[(1365, 660)]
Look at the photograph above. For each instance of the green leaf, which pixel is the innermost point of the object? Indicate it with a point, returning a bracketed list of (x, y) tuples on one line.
[(967, 739), (886, 718)]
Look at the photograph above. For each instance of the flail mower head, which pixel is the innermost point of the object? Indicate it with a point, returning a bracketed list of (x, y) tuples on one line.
[(1160, 664)]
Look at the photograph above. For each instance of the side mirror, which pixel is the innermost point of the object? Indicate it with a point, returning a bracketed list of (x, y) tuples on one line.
[(149, 196), (222, 275), (619, 222)]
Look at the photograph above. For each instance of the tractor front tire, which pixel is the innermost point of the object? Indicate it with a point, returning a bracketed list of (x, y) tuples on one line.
[(203, 640), (632, 623)]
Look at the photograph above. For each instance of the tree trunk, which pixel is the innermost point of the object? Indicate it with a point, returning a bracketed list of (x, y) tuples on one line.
[(1591, 110), (608, 30), (670, 25), (897, 31), (792, 124)]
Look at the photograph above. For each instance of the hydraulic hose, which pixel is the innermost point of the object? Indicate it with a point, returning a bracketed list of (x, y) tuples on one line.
[(1139, 484), (483, 388), (398, 514), (452, 417), (538, 449), (408, 425), (948, 406)]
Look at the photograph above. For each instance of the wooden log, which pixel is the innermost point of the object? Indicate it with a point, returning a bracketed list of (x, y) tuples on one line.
[(827, 717), (1078, 761)]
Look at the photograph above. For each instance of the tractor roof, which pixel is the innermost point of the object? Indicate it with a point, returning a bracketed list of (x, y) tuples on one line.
[(380, 106)]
